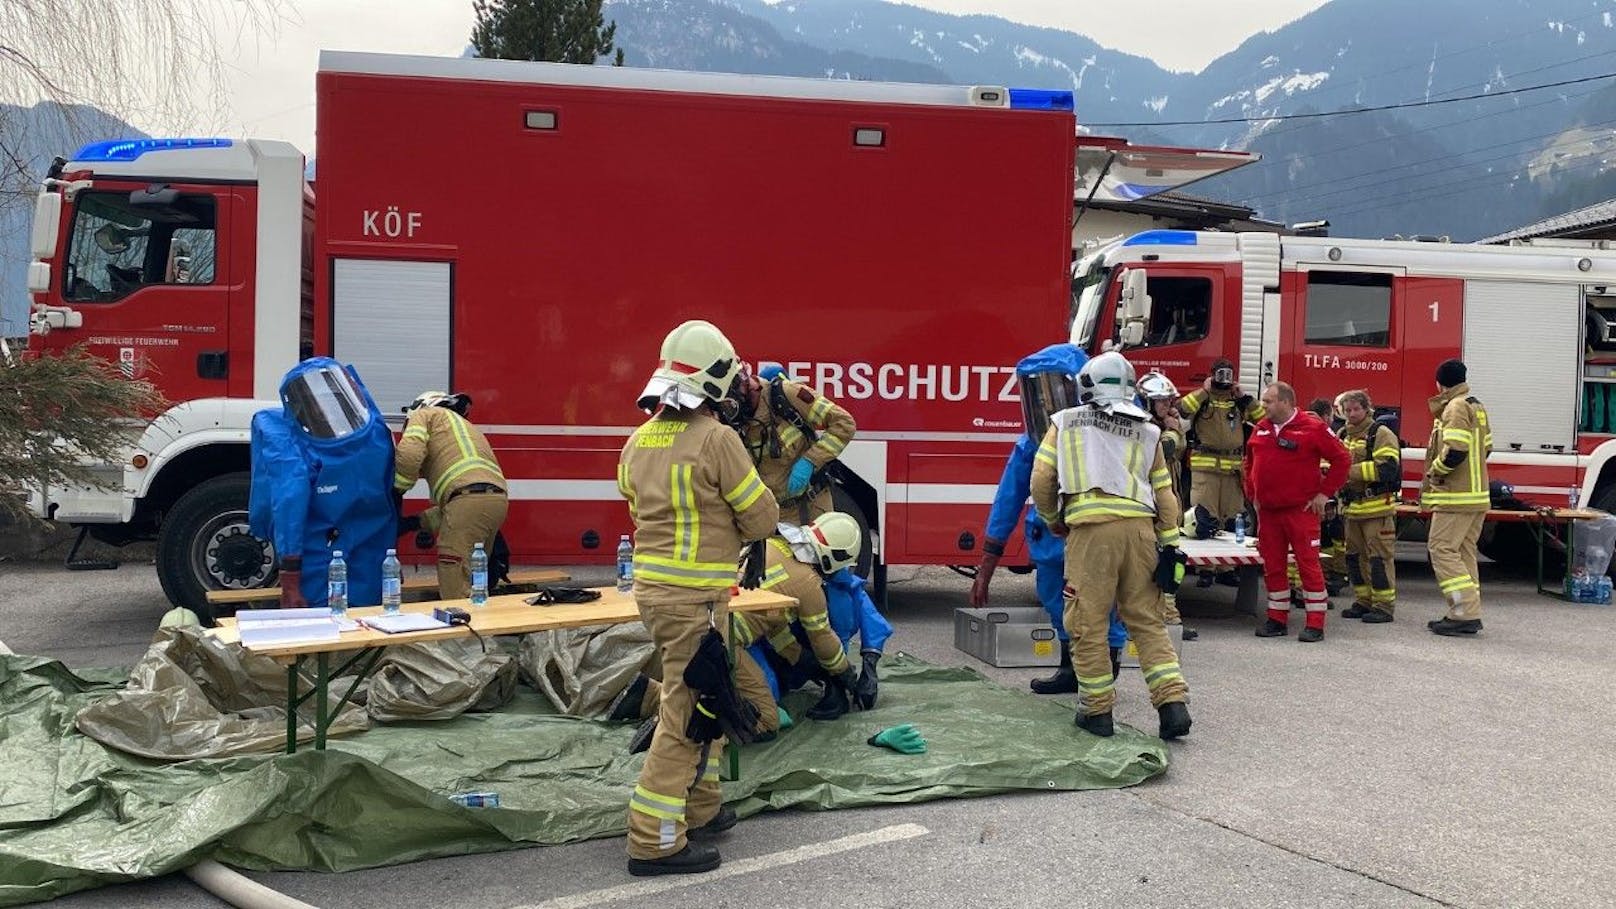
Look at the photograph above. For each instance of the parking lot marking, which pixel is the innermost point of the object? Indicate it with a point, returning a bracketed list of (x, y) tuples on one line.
[(773, 860)]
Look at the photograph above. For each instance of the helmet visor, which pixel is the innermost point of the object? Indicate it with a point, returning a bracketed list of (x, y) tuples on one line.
[(1043, 395), (326, 403)]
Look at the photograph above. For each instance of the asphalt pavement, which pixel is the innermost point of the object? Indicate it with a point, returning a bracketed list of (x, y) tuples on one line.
[(1384, 767)]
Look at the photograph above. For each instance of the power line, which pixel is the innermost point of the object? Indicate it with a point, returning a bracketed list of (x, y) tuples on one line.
[(1463, 186), (1366, 110)]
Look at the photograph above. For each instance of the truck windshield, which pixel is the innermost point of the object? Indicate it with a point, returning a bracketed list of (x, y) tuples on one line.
[(1090, 279), (116, 247)]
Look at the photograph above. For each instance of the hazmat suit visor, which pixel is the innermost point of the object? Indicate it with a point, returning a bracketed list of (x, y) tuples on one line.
[(326, 402), (1043, 395)]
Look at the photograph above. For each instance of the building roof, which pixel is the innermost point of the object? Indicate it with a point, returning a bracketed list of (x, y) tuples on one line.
[(1570, 224), (1175, 204)]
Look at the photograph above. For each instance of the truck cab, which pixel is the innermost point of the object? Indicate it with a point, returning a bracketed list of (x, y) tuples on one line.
[(182, 261)]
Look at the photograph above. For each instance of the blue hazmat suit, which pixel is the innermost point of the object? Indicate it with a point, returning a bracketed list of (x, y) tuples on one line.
[(1048, 551), (311, 495), (851, 612)]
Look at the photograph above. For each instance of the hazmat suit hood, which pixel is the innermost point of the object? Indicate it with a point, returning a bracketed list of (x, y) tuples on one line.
[(1048, 380)]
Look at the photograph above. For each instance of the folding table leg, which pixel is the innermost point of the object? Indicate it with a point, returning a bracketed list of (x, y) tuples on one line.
[(322, 678), (292, 677)]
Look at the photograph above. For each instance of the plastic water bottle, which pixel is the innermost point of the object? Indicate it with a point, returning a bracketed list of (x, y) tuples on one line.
[(479, 576), (1574, 498), (336, 586), (392, 583), (1240, 528), (476, 799), (625, 564), (1604, 590)]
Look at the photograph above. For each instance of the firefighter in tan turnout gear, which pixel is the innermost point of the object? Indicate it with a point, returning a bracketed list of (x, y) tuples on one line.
[(467, 486), (792, 432), (1218, 412), (696, 500), (1100, 481), (1368, 504), (1456, 491)]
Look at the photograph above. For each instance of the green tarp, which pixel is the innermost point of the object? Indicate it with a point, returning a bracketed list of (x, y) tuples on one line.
[(75, 814)]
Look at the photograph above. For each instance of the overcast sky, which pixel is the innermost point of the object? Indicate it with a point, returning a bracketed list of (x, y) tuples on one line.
[(272, 85)]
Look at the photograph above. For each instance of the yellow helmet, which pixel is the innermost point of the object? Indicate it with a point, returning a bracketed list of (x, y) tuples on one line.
[(836, 540), (698, 364)]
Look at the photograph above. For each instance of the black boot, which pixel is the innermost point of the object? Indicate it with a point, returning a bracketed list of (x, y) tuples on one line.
[(1355, 611), (1272, 628), (721, 822), (835, 701), (1099, 724), (1064, 681), (1453, 628), (695, 858), (642, 736), (627, 705), (1376, 617), (1116, 663), (1175, 720), (1203, 580)]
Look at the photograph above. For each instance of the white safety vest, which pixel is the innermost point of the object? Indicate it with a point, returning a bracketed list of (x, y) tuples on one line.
[(1111, 452)]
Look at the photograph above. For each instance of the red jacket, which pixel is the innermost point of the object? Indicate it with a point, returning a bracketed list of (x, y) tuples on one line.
[(1277, 476)]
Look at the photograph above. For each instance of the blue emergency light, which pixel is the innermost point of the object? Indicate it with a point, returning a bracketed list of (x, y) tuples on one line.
[(1162, 238), (130, 149), (1040, 99)]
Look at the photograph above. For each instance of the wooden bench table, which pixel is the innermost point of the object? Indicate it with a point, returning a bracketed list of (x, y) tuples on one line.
[(501, 615), (1543, 523), (422, 582)]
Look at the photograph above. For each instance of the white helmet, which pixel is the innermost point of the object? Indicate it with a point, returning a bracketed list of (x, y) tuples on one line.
[(458, 402), (698, 364), (835, 538), (1107, 381), (1154, 386)]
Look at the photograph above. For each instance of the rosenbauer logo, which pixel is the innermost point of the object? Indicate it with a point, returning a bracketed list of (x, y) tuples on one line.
[(981, 423), (912, 382)]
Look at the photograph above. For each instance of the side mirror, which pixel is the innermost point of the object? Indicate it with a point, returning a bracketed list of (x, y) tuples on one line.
[(156, 194), (1135, 301), (47, 223), (1134, 309)]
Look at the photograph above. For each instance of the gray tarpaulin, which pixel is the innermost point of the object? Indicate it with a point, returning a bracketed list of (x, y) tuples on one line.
[(582, 669)]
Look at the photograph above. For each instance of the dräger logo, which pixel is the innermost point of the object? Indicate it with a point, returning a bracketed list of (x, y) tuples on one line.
[(326, 490), (909, 381)]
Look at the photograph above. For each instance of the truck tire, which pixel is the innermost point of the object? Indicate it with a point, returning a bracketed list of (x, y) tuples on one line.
[(204, 545), (842, 501), (1513, 549)]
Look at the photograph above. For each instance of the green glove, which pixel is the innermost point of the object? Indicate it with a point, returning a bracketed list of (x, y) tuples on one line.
[(903, 739), (785, 718)]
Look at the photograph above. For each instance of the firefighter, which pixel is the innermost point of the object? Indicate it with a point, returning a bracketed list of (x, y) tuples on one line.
[(1455, 490), (1048, 385), (695, 500), (1092, 486), (463, 477), (770, 656), (1161, 400), (320, 469), (792, 432), (1218, 412), (1368, 503), (1282, 477)]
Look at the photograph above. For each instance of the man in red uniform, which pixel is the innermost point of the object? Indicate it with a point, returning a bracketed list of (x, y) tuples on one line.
[(1283, 479)]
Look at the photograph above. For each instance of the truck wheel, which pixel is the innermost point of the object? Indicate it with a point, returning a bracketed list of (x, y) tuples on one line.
[(1513, 548), (843, 502), (204, 545)]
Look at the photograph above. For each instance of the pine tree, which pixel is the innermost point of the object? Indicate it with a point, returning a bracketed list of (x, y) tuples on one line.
[(559, 31)]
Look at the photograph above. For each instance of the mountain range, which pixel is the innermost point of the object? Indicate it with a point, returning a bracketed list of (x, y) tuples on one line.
[(1465, 167)]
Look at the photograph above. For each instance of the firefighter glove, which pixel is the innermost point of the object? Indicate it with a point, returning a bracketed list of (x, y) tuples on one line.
[(411, 524), (903, 739), (1169, 569), (865, 689), (801, 473), (424, 539)]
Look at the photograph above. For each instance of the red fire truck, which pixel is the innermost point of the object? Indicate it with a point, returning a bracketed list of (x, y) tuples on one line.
[(528, 233), (1534, 323)]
